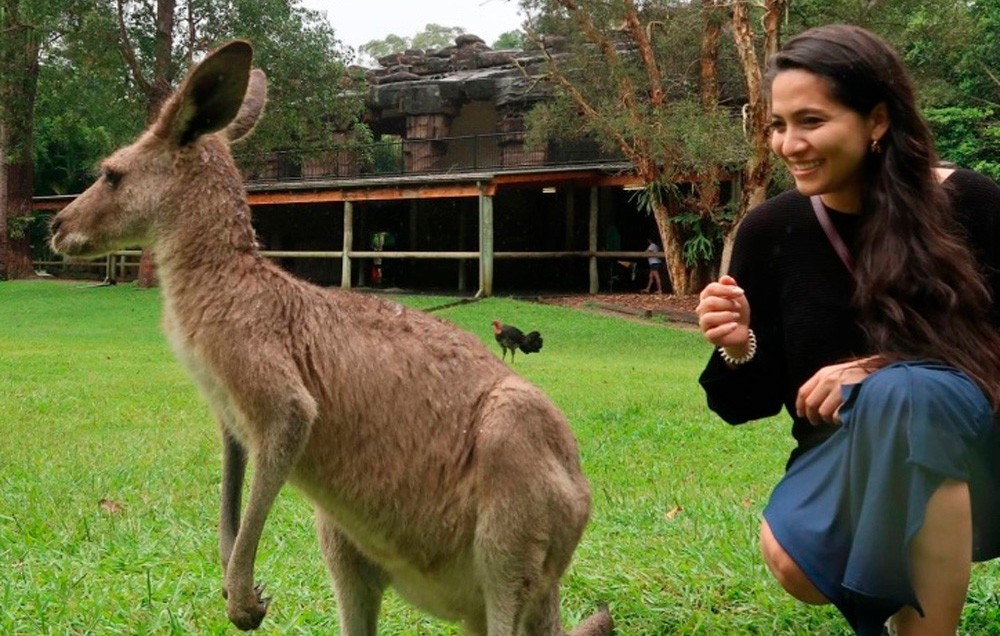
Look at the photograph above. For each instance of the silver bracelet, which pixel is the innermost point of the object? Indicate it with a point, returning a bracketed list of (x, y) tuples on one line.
[(747, 357)]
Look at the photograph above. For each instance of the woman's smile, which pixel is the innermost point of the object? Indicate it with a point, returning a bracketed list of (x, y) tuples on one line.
[(821, 141)]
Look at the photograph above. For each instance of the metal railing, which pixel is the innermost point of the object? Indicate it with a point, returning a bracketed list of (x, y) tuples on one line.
[(494, 152)]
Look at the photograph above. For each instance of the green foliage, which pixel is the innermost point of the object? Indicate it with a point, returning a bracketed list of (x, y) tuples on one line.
[(110, 480), (967, 137), (311, 96), (19, 226), (977, 73), (88, 104), (433, 36), (703, 237), (665, 138), (38, 235), (654, 194), (387, 155), (392, 43), (946, 45), (510, 40)]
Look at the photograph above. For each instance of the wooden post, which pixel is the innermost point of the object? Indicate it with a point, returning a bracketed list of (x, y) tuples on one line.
[(462, 229), (485, 245), (345, 261), (414, 228), (594, 281), (363, 233), (570, 218)]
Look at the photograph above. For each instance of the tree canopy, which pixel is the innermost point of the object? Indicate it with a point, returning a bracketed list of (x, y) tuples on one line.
[(433, 36), (673, 84), (650, 80), (90, 103), (676, 86)]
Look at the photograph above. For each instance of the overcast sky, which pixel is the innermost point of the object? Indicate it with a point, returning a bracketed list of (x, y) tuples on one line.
[(359, 21)]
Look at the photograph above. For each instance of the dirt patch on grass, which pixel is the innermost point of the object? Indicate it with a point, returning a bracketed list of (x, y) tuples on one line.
[(672, 308)]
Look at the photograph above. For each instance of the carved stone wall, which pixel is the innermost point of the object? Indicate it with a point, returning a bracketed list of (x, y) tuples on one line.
[(421, 151), (416, 94)]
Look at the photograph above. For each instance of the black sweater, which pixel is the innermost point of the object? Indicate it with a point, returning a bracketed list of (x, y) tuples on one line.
[(800, 300)]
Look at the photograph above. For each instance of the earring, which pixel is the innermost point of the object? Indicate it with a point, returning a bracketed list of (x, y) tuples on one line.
[(875, 148)]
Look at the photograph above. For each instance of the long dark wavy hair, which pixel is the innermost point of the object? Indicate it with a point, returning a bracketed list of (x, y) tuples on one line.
[(919, 292)]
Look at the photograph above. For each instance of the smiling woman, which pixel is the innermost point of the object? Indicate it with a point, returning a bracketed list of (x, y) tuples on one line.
[(822, 141), (888, 367)]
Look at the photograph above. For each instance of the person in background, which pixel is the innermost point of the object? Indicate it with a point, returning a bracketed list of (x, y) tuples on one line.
[(864, 302), (655, 268)]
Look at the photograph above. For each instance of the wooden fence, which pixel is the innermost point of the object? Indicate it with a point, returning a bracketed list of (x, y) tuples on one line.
[(117, 264)]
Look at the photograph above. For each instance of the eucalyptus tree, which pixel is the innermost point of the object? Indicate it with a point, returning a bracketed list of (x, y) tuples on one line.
[(649, 80), (85, 74), (310, 98), (86, 105), (27, 27), (934, 37), (509, 40), (432, 36)]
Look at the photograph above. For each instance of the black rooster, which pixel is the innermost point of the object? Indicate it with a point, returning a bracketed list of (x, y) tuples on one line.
[(511, 338)]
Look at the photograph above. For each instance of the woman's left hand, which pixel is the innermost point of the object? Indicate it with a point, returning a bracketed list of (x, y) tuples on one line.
[(819, 399)]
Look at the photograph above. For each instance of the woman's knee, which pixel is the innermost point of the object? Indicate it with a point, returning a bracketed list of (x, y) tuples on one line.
[(786, 571)]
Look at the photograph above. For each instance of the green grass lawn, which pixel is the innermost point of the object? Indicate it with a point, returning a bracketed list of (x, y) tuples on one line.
[(110, 462)]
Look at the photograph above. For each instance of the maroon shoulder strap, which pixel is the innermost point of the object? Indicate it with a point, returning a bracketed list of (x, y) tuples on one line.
[(831, 234)]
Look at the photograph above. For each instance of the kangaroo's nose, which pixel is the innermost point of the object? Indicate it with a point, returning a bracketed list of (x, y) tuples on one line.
[(55, 223)]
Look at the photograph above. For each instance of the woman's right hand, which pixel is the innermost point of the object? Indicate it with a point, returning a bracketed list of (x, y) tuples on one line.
[(724, 316)]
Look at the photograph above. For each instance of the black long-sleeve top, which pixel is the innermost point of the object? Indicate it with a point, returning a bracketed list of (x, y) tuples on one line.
[(800, 292)]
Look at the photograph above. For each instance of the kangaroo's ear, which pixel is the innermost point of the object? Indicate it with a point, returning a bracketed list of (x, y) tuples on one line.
[(210, 97), (252, 107)]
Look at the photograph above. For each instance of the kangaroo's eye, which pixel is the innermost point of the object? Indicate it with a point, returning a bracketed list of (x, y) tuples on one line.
[(113, 177)]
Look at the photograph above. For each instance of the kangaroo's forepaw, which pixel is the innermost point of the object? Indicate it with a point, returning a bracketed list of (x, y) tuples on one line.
[(250, 613)]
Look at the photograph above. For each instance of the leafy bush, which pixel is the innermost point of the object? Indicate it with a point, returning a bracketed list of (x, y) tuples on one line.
[(967, 137)]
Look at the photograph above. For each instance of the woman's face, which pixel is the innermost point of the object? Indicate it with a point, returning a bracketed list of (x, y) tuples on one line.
[(823, 142)]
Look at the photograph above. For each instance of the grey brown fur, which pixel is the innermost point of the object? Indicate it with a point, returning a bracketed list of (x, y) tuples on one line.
[(431, 467)]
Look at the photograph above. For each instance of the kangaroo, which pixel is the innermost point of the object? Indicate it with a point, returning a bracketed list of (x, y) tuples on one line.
[(431, 467)]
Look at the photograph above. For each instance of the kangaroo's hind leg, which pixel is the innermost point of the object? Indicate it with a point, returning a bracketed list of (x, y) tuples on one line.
[(521, 552), (521, 586), (358, 583), (534, 505), (542, 619)]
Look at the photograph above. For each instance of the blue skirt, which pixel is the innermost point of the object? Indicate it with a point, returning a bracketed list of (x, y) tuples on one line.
[(847, 510)]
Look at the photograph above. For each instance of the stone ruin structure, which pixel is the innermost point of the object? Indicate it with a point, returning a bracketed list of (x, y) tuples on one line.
[(461, 90)]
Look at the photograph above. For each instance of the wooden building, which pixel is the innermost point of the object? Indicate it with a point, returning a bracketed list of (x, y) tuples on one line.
[(451, 197)]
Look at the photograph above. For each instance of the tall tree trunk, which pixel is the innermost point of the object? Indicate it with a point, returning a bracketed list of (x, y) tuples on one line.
[(15, 211), (708, 187), (18, 86), (727, 249), (757, 171), (157, 90), (673, 248)]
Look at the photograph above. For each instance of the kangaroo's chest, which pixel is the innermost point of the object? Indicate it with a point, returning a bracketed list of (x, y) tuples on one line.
[(211, 388)]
